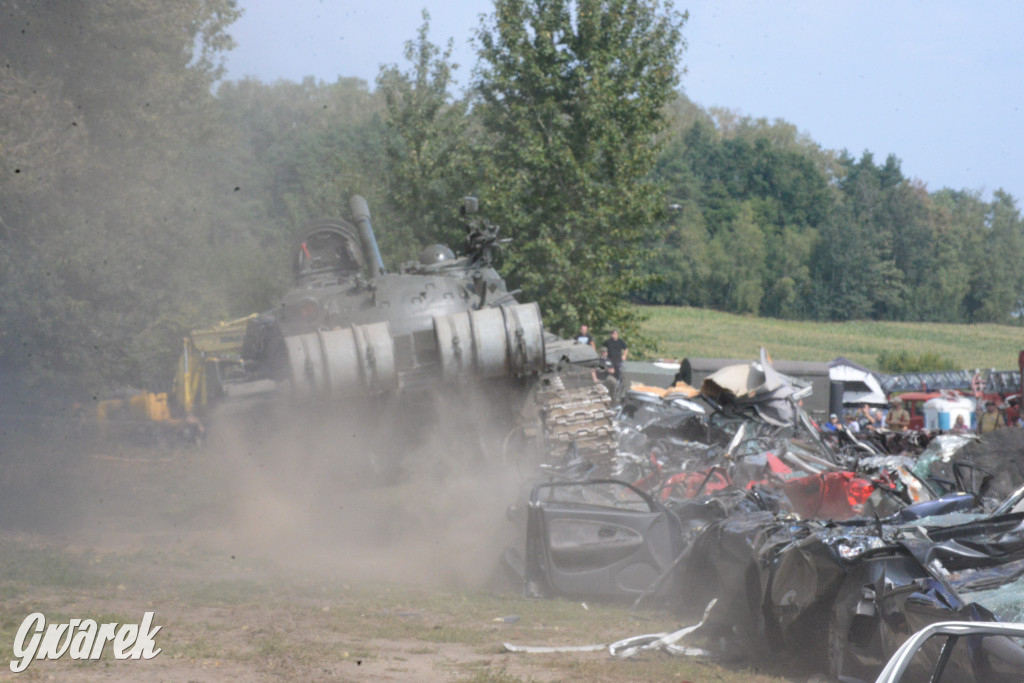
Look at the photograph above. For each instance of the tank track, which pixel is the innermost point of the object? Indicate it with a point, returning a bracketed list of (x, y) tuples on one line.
[(578, 418)]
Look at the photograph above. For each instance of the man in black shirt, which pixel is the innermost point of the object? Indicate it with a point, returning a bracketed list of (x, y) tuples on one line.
[(617, 352), (583, 337)]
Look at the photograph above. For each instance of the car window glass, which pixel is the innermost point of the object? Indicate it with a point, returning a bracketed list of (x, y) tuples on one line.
[(605, 495)]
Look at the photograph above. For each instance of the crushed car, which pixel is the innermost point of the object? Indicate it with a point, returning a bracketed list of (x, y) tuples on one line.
[(744, 428), (851, 591), (729, 493)]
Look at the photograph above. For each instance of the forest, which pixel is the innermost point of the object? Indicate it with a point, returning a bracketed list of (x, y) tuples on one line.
[(143, 195)]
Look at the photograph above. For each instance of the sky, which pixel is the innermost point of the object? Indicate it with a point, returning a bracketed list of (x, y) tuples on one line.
[(938, 84)]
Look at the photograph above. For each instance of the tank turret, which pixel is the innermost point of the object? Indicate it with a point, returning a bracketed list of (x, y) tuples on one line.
[(350, 327)]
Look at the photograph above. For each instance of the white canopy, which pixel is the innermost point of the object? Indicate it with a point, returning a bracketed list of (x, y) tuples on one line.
[(859, 384)]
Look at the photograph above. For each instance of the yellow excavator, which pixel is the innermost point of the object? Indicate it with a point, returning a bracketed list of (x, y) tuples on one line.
[(210, 367), (210, 364)]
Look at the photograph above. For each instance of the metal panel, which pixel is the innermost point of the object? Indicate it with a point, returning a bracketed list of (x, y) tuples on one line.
[(525, 335), (455, 345), (376, 356), (490, 342)]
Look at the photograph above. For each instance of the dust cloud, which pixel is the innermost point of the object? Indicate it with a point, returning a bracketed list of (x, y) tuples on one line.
[(415, 491)]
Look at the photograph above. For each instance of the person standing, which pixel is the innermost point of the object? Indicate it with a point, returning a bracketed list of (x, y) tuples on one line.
[(1012, 412), (899, 418), (618, 351), (583, 337), (991, 419), (866, 419)]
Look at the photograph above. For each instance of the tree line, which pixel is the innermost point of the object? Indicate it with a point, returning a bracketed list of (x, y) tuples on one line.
[(142, 195), (768, 223)]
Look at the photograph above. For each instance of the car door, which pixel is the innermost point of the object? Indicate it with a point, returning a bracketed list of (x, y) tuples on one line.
[(600, 539)]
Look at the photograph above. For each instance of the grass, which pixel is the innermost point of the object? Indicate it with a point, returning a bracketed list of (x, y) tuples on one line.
[(682, 332), (293, 626), (483, 672), (45, 566)]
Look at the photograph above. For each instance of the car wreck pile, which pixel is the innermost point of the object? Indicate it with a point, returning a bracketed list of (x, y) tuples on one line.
[(820, 544)]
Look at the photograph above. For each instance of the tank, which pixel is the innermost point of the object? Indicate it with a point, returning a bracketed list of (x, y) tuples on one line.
[(350, 329)]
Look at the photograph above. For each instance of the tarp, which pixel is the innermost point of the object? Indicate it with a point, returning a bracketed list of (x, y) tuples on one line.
[(755, 385), (859, 384)]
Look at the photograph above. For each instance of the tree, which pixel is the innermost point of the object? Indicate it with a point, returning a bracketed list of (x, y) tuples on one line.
[(573, 94), (995, 254), (842, 268), (788, 278), (313, 145), (102, 271), (427, 143), (753, 184), (737, 263), (854, 274), (900, 362)]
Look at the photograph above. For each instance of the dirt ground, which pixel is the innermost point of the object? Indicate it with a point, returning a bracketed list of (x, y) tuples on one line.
[(265, 562)]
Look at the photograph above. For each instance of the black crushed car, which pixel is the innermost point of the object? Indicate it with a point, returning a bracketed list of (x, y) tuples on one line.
[(849, 593)]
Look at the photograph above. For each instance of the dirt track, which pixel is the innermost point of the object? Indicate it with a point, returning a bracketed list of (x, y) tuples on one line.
[(268, 570), (269, 563), (242, 560)]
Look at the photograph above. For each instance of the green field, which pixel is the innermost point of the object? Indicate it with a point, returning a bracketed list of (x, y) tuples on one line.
[(682, 332)]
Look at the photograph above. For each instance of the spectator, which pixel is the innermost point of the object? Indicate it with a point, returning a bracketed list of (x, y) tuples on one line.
[(617, 352), (583, 337), (833, 423), (851, 423), (991, 419), (1012, 412), (899, 418), (959, 426), (865, 418)]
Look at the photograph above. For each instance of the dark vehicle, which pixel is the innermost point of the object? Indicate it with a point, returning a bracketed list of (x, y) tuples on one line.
[(352, 333), (847, 592)]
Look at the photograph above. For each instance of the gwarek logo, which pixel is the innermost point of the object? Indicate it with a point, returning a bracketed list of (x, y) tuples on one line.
[(82, 639)]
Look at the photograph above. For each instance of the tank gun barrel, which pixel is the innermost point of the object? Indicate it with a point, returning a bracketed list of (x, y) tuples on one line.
[(361, 217)]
